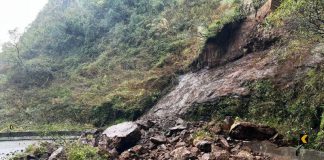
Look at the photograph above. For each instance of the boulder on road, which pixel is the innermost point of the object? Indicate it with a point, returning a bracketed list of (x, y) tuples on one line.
[(250, 131), (120, 137)]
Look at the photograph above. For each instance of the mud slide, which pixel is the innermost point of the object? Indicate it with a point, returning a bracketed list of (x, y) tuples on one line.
[(231, 44), (245, 58)]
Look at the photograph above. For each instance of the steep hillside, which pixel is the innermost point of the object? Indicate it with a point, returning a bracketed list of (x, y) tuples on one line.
[(106, 61), (184, 64)]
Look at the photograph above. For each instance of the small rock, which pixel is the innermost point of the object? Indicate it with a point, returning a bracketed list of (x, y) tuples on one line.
[(224, 142), (139, 149), (245, 155), (178, 128), (221, 154), (29, 157), (163, 147), (194, 151), (167, 156), (211, 123), (125, 155), (184, 133), (216, 129), (180, 121), (175, 139), (181, 153), (113, 153), (56, 154), (180, 144), (236, 148), (158, 140), (204, 146), (246, 148), (228, 122), (152, 146), (207, 156), (145, 124)]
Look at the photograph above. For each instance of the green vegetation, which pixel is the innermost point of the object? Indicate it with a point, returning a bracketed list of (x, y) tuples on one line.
[(84, 63), (36, 150), (290, 110), (83, 152), (96, 62), (71, 151), (304, 16), (294, 108), (232, 13)]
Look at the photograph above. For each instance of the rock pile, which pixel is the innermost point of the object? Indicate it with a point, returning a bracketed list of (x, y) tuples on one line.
[(184, 141)]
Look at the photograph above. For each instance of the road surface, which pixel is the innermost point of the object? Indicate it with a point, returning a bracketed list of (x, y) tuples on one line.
[(7, 147)]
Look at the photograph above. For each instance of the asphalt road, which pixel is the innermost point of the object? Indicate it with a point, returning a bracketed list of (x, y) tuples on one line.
[(7, 147)]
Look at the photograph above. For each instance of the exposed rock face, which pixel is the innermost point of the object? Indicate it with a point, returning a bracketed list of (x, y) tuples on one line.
[(249, 131), (210, 85), (207, 86), (120, 137), (235, 39)]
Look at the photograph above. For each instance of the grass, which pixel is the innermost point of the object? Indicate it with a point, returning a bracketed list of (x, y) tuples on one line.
[(77, 151)]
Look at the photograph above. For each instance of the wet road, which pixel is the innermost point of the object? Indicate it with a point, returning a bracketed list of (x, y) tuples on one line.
[(6, 147)]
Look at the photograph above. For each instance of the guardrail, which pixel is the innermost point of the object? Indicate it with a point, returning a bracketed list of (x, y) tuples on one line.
[(15, 136)]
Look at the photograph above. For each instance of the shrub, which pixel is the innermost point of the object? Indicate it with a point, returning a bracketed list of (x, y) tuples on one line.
[(77, 151)]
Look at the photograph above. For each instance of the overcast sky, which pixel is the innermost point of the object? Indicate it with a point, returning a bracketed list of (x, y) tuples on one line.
[(17, 14)]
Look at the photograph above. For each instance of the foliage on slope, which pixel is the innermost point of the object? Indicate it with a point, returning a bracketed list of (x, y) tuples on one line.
[(102, 60)]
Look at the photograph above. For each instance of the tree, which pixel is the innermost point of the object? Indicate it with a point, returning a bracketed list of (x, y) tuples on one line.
[(12, 49)]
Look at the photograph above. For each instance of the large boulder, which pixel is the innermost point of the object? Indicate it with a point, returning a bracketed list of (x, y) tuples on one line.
[(250, 131), (120, 137)]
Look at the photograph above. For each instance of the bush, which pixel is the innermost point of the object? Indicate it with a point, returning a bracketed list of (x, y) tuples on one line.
[(33, 76), (305, 16), (83, 152)]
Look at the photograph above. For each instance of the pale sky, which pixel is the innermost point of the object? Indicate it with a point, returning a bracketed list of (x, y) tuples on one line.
[(17, 14)]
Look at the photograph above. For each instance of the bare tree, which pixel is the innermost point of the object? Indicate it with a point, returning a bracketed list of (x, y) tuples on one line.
[(15, 43)]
